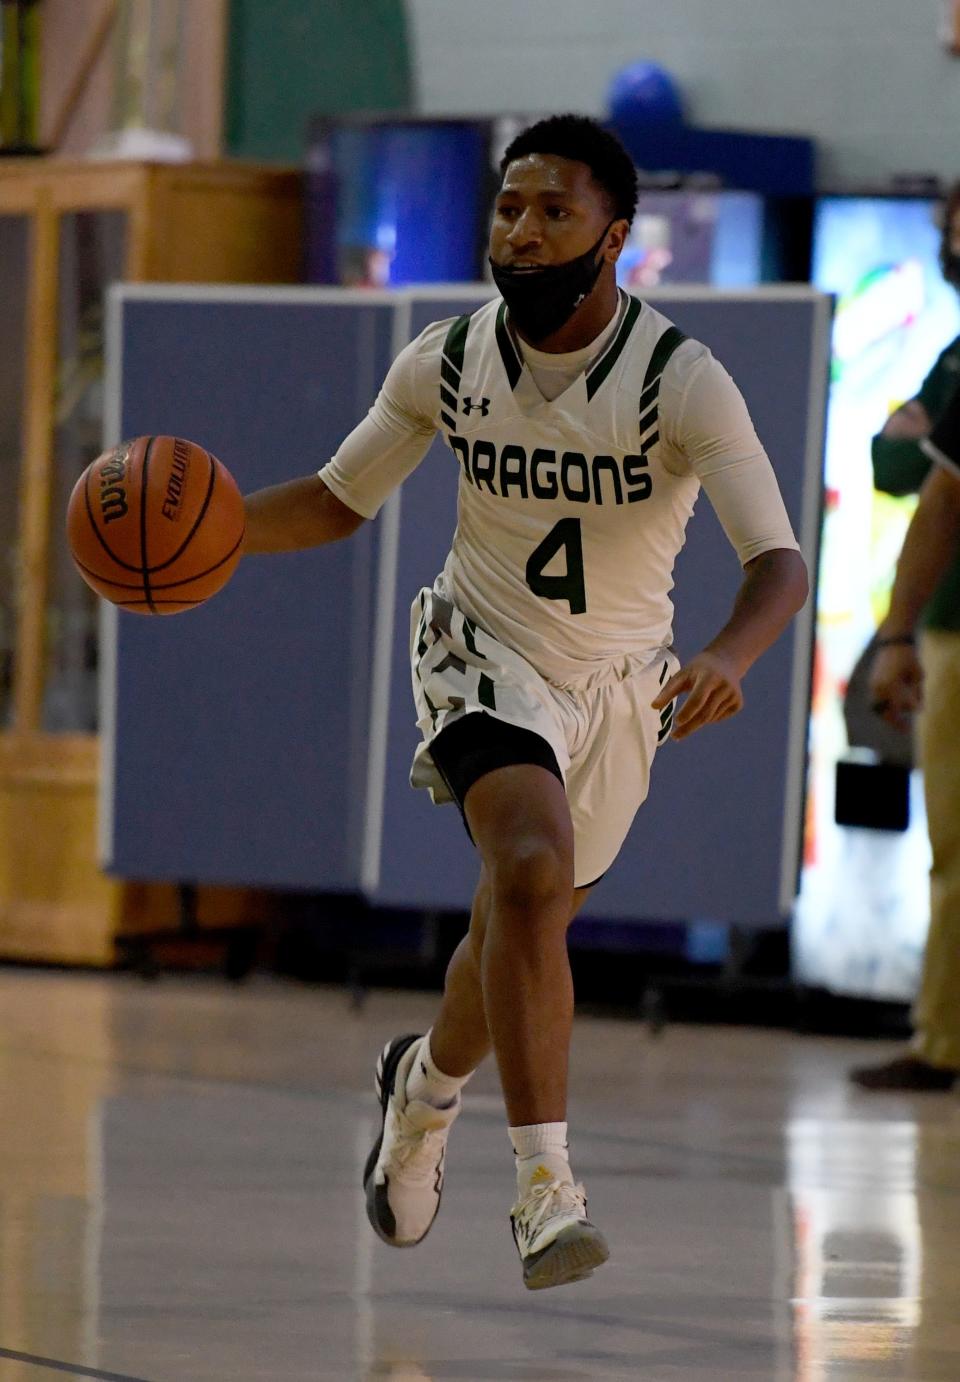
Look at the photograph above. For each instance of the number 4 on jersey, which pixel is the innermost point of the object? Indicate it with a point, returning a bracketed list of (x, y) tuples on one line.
[(565, 536)]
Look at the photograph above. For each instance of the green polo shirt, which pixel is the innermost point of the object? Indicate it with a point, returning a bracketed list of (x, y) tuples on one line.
[(900, 467)]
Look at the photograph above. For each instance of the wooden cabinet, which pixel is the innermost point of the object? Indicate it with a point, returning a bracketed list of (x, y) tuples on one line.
[(67, 230)]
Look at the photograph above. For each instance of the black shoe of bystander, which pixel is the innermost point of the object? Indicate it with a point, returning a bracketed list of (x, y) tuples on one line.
[(907, 1073)]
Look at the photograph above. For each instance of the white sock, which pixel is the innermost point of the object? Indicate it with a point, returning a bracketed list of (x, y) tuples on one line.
[(429, 1085), (540, 1147)]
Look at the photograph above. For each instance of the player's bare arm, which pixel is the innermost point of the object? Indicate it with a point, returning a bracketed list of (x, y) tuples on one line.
[(774, 588), (301, 513)]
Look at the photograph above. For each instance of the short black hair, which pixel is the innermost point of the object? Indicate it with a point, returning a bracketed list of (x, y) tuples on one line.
[(585, 141)]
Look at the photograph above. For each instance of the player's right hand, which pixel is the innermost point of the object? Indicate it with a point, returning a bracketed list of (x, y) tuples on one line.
[(896, 684)]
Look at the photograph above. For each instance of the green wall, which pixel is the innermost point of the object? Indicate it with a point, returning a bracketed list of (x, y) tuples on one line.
[(291, 59)]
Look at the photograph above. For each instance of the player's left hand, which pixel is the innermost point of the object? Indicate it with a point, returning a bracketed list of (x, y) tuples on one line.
[(712, 687)]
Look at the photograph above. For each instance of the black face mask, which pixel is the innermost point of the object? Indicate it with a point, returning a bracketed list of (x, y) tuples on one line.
[(541, 300)]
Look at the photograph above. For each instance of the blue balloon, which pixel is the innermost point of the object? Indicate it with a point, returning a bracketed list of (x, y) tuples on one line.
[(644, 93)]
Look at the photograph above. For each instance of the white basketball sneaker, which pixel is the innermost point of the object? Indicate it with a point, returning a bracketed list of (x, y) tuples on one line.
[(556, 1241), (403, 1177)]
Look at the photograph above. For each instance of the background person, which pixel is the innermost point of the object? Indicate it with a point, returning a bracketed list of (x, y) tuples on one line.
[(907, 674)]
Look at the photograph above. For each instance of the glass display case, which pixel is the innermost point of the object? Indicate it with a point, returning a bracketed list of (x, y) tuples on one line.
[(13, 306), (68, 230), (92, 255)]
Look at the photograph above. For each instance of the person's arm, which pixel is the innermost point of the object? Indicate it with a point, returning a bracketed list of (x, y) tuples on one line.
[(300, 513), (715, 436), (899, 464), (930, 545), (932, 542), (774, 588)]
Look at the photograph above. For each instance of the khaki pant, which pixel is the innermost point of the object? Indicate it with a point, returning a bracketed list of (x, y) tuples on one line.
[(936, 1014)]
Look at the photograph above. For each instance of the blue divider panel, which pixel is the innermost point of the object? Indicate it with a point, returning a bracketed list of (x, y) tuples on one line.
[(707, 843), (241, 727), (427, 859)]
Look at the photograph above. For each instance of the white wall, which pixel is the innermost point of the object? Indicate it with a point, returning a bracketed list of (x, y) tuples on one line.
[(868, 79)]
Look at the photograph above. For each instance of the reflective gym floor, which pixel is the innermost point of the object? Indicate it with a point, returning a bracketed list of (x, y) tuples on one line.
[(180, 1202)]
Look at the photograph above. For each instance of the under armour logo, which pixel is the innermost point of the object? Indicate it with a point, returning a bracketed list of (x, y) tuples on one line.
[(483, 405)]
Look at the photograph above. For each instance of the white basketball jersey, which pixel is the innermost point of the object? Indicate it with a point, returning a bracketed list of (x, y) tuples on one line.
[(568, 524), (571, 512)]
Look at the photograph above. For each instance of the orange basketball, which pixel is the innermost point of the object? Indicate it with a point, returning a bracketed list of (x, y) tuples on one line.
[(156, 525)]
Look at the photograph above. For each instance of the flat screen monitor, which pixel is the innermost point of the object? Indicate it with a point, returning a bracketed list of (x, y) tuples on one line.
[(682, 235), (863, 911), (393, 202)]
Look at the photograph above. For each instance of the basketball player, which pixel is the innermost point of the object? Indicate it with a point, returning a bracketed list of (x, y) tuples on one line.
[(582, 425)]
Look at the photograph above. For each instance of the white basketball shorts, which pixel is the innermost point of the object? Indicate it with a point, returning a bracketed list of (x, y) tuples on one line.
[(603, 739)]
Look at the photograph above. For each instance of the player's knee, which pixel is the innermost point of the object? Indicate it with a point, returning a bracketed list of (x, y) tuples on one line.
[(478, 921), (531, 878)]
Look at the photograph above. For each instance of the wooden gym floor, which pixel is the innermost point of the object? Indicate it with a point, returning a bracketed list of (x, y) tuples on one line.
[(179, 1202)]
